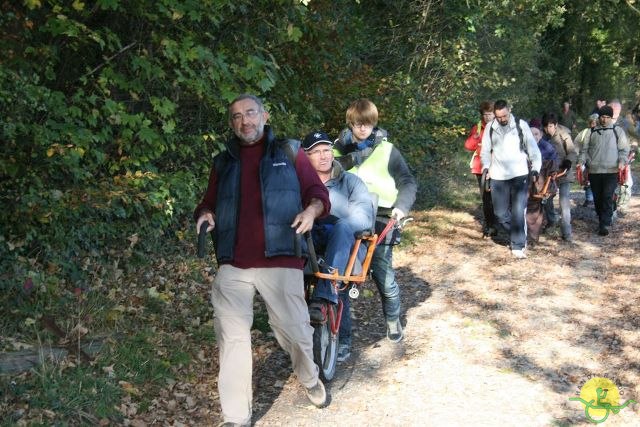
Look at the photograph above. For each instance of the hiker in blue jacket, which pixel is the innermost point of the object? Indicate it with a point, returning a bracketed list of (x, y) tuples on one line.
[(351, 211)]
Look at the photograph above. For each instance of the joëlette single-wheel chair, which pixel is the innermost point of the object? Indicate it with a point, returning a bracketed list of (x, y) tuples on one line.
[(325, 334), (547, 190), (542, 193)]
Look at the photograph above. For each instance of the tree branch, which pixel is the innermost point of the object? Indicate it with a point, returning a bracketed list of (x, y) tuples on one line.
[(635, 9), (120, 52)]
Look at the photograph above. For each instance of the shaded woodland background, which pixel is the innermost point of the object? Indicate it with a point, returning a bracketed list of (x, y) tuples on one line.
[(110, 111)]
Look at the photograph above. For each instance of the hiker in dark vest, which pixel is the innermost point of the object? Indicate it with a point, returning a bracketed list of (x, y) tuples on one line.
[(604, 152), (509, 154), (261, 192)]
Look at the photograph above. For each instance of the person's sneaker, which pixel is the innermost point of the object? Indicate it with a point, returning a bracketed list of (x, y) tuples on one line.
[(603, 230), (344, 352), (568, 239), (394, 330), (317, 312), (587, 203), (518, 253), (317, 395), (489, 231)]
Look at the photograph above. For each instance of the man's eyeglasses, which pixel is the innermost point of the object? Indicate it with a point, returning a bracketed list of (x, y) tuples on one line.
[(249, 114)]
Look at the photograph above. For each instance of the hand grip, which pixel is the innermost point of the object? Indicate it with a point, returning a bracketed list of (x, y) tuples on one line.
[(484, 181), (313, 258), (202, 240)]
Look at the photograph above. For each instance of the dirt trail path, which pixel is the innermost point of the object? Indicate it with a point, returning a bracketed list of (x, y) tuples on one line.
[(490, 341)]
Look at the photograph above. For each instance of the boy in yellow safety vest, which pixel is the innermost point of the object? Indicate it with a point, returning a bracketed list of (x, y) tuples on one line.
[(364, 149)]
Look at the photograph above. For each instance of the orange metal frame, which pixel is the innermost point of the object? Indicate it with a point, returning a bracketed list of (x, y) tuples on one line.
[(545, 188), (335, 277)]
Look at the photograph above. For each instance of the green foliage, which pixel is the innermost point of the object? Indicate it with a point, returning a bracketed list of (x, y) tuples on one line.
[(111, 113), (139, 359), (69, 394), (85, 394)]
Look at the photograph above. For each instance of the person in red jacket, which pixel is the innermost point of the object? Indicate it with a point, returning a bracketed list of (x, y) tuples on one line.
[(473, 143)]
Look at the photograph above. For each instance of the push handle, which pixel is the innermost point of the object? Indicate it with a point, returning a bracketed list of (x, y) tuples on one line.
[(202, 240), (484, 181), (313, 258)]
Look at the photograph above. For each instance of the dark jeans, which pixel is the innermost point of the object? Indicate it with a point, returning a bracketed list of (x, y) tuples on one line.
[(603, 186), (487, 206), (335, 241), (385, 279), (509, 199)]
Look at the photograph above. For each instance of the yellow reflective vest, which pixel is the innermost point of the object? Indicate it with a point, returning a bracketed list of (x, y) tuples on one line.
[(374, 171)]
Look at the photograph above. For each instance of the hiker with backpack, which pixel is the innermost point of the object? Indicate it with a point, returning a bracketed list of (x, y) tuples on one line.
[(509, 155), (262, 192), (474, 143), (559, 136), (605, 153), (592, 121)]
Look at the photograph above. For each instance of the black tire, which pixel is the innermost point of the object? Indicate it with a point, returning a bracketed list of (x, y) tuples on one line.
[(325, 347)]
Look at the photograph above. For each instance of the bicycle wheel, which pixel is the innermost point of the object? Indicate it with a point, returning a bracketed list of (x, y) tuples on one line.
[(325, 346)]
